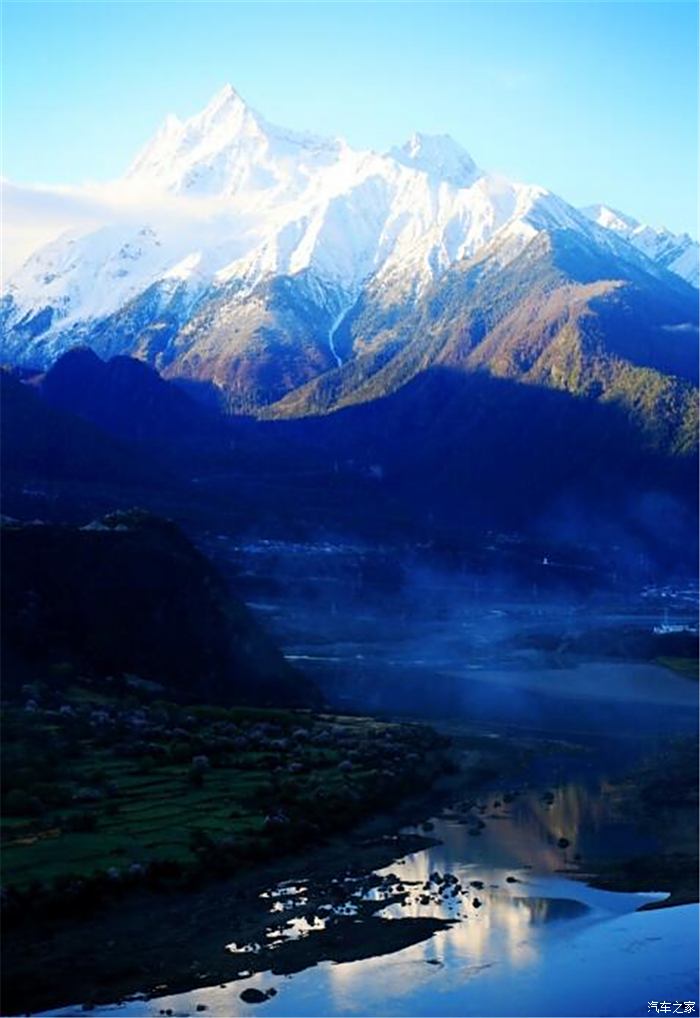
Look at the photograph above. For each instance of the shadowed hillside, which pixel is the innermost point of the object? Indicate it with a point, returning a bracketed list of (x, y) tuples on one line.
[(130, 594)]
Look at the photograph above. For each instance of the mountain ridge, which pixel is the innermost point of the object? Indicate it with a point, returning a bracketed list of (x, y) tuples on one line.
[(262, 204), (554, 317)]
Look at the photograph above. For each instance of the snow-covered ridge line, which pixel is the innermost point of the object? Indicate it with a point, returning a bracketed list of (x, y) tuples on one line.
[(226, 199), (677, 252)]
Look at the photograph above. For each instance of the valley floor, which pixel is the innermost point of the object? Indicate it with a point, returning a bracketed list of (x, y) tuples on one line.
[(333, 900)]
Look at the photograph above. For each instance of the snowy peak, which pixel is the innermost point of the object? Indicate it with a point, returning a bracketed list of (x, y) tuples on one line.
[(222, 120), (611, 219), (674, 251), (198, 156), (225, 99), (272, 202), (440, 156), (229, 150)]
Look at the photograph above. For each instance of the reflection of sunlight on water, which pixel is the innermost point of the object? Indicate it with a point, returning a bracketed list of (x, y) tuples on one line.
[(612, 967), (346, 982), (503, 924), (515, 916), (520, 908), (519, 934), (527, 831), (505, 929), (293, 929), (512, 928)]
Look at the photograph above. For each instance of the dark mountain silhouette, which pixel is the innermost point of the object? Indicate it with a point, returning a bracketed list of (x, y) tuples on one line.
[(130, 594), (128, 399), (470, 450), (41, 441)]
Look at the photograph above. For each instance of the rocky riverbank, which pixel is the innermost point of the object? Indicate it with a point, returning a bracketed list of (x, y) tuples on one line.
[(107, 951)]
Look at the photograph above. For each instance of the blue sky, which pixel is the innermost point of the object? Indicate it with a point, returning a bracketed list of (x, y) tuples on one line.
[(597, 101)]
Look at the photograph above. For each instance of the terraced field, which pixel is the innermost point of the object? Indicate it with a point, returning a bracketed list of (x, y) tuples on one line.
[(107, 788)]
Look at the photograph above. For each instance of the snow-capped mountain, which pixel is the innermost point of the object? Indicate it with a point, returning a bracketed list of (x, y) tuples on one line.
[(438, 156), (677, 252), (254, 242)]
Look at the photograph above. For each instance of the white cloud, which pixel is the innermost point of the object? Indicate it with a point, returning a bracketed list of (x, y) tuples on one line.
[(35, 214)]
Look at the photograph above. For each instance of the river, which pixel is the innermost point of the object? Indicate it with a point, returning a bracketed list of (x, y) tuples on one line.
[(537, 943), (527, 936)]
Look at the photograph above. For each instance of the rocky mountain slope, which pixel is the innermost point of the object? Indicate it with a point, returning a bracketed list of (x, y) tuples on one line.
[(555, 317), (261, 249)]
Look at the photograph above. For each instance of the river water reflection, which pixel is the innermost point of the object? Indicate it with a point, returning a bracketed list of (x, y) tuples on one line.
[(527, 937)]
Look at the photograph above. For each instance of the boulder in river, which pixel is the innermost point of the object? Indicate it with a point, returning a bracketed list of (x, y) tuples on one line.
[(253, 996)]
